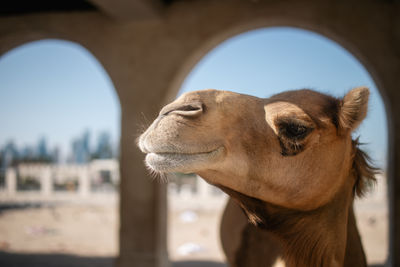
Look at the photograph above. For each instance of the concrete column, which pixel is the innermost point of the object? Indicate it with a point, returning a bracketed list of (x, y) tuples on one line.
[(46, 182), (394, 178), (84, 181), (11, 181), (143, 223)]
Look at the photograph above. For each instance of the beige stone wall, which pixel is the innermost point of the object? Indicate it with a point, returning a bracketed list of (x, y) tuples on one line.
[(148, 59)]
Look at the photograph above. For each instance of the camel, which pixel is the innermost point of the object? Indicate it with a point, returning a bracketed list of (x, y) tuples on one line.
[(289, 162)]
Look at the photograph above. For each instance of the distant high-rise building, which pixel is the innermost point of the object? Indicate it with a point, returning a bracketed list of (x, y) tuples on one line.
[(42, 151), (86, 142), (10, 153), (104, 148), (116, 150), (81, 149), (55, 155), (28, 153), (1, 158)]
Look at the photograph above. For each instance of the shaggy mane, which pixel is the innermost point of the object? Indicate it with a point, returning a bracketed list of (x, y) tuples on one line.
[(364, 170)]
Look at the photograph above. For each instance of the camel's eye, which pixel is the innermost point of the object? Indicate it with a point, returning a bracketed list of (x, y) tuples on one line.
[(293, 130), (291, 135)]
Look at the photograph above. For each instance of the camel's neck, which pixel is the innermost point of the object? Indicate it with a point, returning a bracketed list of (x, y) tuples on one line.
[(315, 238), (312, 238)]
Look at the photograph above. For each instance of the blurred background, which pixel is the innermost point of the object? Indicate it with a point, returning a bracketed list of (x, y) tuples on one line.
[(60, 132)]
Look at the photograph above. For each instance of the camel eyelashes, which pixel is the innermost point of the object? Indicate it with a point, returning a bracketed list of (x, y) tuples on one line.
[(293, 130), (291, 133)]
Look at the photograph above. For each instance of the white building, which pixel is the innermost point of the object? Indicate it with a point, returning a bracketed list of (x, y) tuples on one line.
[(59, 181)]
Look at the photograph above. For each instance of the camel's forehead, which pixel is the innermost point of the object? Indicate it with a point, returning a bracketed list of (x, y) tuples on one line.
[(209, 95), (283, 108), (212, 97), (314, 104)]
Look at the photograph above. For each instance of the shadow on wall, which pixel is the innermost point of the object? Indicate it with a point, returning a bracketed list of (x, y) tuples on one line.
[(63, 260), (198, 264), (52, 260)]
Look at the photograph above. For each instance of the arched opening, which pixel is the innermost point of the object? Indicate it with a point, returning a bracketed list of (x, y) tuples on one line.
[(266, 61), (59, 151)]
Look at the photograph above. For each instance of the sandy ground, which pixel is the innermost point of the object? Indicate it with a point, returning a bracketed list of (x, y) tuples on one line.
[(86, 234)]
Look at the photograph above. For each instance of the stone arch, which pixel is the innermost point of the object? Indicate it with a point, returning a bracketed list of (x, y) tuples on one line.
[(217, 38), (16, 41)]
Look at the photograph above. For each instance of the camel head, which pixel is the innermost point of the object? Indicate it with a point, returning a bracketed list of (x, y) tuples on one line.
[(293, 149)]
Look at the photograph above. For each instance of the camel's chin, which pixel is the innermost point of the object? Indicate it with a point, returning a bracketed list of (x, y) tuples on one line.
[(181, 162)]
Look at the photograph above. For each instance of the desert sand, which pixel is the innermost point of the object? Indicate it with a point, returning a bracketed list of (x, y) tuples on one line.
[(85, 234)]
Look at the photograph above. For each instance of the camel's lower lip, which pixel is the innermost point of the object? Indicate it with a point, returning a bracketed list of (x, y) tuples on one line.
[(180, 162)]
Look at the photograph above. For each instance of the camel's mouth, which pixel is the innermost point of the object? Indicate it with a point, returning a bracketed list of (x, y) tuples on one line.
[(167, 162)]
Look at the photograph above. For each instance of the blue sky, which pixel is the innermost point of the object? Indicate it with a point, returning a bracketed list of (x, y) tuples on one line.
[(58, 89)]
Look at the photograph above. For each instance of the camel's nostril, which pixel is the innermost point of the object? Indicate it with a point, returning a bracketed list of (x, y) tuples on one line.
[(190, 108), (187, 110)]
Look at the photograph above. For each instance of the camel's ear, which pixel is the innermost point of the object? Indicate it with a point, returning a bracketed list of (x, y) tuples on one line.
[(353, 108)]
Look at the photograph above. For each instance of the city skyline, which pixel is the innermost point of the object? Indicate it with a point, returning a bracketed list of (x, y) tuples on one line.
[(83, 150)]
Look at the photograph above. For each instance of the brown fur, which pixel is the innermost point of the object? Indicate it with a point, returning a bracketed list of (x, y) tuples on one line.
[(363, 169), (302, 245), (246, 245)]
